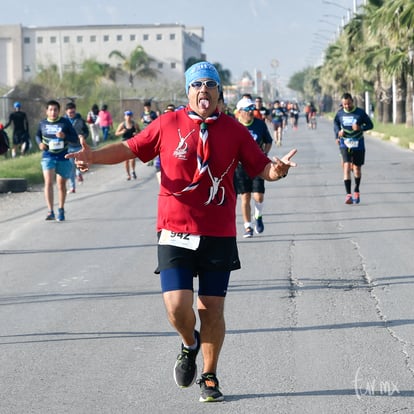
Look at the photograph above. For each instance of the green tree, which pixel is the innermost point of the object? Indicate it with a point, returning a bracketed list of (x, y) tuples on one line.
[(91, 69), (138, 63), (400, 19), (297, 82)]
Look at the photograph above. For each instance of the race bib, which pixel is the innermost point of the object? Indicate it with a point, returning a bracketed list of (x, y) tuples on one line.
[(56, 144), (351, 143), (184, 240)]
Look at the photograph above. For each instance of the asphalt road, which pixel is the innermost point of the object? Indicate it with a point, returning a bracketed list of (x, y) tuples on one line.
[(319, 319)]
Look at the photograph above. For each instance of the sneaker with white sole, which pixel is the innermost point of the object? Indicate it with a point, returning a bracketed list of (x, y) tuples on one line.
[(259, 227), (248, 233), (185, 368), (61, 215), (209, 386)]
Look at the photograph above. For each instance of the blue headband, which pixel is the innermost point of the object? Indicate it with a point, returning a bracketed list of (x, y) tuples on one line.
[(200, 70)]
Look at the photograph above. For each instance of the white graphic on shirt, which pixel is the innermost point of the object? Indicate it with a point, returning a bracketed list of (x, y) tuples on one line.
[(52, 129), (215, 188), (182, 147), (254, 135), (348, 120)]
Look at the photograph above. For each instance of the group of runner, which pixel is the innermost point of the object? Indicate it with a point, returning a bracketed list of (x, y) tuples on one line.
[(280, 115)]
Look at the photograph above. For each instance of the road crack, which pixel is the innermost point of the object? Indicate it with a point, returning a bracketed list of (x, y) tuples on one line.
[(405, 345)]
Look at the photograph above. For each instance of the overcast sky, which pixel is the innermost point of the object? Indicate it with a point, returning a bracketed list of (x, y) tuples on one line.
[(240, 34)]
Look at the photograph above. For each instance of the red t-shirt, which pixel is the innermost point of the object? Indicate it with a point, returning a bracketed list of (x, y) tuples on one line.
[(210, 209)]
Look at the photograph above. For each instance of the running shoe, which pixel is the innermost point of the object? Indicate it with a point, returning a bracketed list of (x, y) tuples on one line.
[(134, 176), (50, 216), (348, 199), (248, 233), (128, 178), (72, 190), (356, 198), (259, 227), (209, 386), (61, 215), (185, 368)]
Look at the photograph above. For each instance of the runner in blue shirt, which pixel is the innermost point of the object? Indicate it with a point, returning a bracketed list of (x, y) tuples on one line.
[(350, 122), (53, 137), (244, 185)]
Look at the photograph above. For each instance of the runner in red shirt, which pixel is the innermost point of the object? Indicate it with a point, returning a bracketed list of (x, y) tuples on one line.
[(199, 149)]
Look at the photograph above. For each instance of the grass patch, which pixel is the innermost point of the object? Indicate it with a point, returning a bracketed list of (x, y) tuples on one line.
[(27, 167), (405, 134)]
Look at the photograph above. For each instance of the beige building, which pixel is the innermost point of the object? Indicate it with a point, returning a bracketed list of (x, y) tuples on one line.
[(24, 51)]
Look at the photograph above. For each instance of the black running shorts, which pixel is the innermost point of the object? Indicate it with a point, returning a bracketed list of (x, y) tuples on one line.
[(244, 184), (212, 262), (355, 156)]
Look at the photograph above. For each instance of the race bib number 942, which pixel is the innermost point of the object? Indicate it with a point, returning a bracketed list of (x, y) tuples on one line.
[(184, 240)]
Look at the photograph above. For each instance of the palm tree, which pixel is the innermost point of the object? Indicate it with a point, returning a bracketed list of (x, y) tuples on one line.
[(138, 63), (400, 17), (334, 72), (376, 56), (91, 69)]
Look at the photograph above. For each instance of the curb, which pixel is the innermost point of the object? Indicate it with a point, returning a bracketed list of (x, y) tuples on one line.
[(13, 185)]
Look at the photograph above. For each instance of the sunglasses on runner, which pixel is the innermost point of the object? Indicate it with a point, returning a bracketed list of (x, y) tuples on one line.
[(210, 84), (248, 108)]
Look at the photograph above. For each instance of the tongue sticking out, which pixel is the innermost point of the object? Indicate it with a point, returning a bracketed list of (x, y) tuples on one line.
[(204, 103)]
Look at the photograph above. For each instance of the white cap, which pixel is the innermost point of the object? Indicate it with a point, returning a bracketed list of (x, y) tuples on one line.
[(245, 103)]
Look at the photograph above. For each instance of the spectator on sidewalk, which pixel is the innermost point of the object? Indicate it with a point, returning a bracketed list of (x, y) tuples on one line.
[(105, 122), (93, 121), (21, 136)]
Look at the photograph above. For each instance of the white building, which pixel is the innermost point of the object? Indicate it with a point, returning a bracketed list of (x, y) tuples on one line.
[(24, 51)]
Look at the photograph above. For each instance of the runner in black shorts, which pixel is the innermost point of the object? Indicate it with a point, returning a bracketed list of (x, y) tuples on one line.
[(350, 122), (21, 138), (278, 115), (199, 148), (244, 185)]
